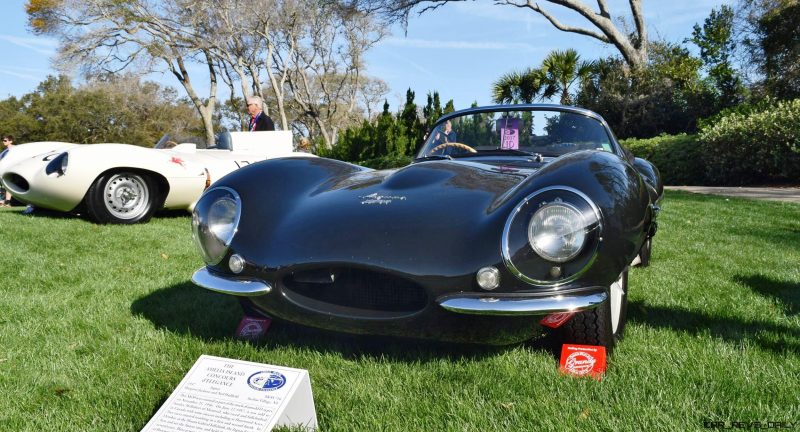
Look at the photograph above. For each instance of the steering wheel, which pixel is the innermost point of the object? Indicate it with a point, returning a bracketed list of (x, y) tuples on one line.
[(452, 144)]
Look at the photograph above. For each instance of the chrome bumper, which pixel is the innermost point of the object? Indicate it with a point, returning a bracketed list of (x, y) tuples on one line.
[(237, 287), (515, 305)]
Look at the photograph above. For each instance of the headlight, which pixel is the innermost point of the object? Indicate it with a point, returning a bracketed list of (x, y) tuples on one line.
[(214, 223), (58, 164), (557, 232), (552, 236)]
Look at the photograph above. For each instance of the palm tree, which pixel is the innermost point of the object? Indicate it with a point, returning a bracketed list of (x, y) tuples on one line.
[(517, 87), (561, 70)]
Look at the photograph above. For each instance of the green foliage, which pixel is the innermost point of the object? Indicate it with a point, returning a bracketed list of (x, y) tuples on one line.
[(557, 74), (120, 110), (390, 140), (754, 147), (717, 46), (387, 162), (666, 96), (679, 158), (773, 40)]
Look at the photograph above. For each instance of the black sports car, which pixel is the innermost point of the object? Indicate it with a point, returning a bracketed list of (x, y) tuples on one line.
[(511, 221)]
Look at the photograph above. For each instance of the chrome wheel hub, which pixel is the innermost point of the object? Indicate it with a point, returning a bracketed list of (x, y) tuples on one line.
[(126, 196)]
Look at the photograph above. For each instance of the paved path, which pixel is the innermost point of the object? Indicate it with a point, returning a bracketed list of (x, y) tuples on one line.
[(786, 194)]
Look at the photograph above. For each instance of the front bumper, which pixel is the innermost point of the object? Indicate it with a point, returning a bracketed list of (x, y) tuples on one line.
[(511, 305), (490, 318), (238, 287), (470, 304)]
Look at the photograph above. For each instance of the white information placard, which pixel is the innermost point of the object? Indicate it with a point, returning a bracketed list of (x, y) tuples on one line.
[(225, 395)]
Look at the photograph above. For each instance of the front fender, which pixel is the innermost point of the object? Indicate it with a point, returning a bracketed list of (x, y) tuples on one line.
[(618, 191)]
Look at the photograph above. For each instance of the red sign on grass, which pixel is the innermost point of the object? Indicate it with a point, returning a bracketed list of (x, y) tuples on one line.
[(252, 328), (583, 360)]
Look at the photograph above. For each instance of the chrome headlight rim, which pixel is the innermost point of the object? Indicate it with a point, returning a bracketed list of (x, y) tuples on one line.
[(200, 225), (592, 255)]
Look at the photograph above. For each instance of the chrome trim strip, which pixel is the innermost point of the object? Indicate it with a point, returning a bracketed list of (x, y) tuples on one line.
[(506, 253), (238, 287), (504, 306)]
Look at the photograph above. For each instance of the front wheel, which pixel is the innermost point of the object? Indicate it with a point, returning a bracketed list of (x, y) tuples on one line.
[(603, 325), (122, 198)]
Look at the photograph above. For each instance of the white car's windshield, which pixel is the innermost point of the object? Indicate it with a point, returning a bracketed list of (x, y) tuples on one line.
[(546, 132)]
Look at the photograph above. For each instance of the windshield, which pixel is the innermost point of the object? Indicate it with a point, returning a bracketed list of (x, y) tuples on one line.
[(546, 132)]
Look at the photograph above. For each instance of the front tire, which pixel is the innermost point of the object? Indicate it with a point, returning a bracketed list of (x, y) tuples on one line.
[(603, 325), (122, 197)]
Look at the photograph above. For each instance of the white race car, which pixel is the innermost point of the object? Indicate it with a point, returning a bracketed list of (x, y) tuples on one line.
[(125, 184)]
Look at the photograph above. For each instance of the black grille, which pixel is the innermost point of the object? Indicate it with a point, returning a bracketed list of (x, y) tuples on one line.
[(17, 183), (359, 289)]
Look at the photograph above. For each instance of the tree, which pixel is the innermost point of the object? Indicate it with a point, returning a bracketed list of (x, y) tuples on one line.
[(601, 25), (324, 67), (516, 87), (108, 36), (772, 38), (107, 109), (717, 45), (561, 70), (666, 96)]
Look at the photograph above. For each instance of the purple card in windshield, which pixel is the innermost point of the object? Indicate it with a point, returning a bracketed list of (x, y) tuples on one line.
[(509, 133)]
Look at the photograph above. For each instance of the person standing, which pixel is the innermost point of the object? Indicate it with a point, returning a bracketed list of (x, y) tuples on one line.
[(8, 143), (259, 121)]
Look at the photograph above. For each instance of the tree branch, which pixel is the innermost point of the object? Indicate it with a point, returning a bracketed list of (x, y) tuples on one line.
[(534, 6)]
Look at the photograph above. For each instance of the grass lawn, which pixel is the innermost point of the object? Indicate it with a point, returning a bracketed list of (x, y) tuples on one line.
[(98, 324)]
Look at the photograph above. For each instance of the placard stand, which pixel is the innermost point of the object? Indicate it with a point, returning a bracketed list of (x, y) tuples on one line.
[(222, 395)]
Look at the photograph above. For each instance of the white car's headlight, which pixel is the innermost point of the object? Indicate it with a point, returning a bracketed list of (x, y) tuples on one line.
[(215, 220), (557, 232), (58, 164)]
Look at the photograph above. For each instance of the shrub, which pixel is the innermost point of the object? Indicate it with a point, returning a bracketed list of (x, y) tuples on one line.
[(679, 158), (759, 146), (386, 162)]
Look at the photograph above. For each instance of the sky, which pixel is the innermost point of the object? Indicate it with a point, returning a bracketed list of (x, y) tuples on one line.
[(458, 50)]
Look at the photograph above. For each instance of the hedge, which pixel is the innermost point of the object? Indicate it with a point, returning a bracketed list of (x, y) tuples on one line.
[(386, 162), (762, 146), (679, 158)]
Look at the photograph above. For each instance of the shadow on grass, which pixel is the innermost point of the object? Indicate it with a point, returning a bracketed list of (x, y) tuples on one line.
[(187, 309), (42, 213), (38, 212), (787, 293), (773, 337), (780, 235)]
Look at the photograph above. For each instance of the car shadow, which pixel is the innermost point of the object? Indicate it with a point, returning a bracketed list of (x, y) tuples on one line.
[(786, 293), (40, 213), (783, 235), (769, 336), (186, 309)]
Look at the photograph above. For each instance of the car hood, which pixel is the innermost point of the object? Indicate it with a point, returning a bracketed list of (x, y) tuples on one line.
[(412, 219)]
